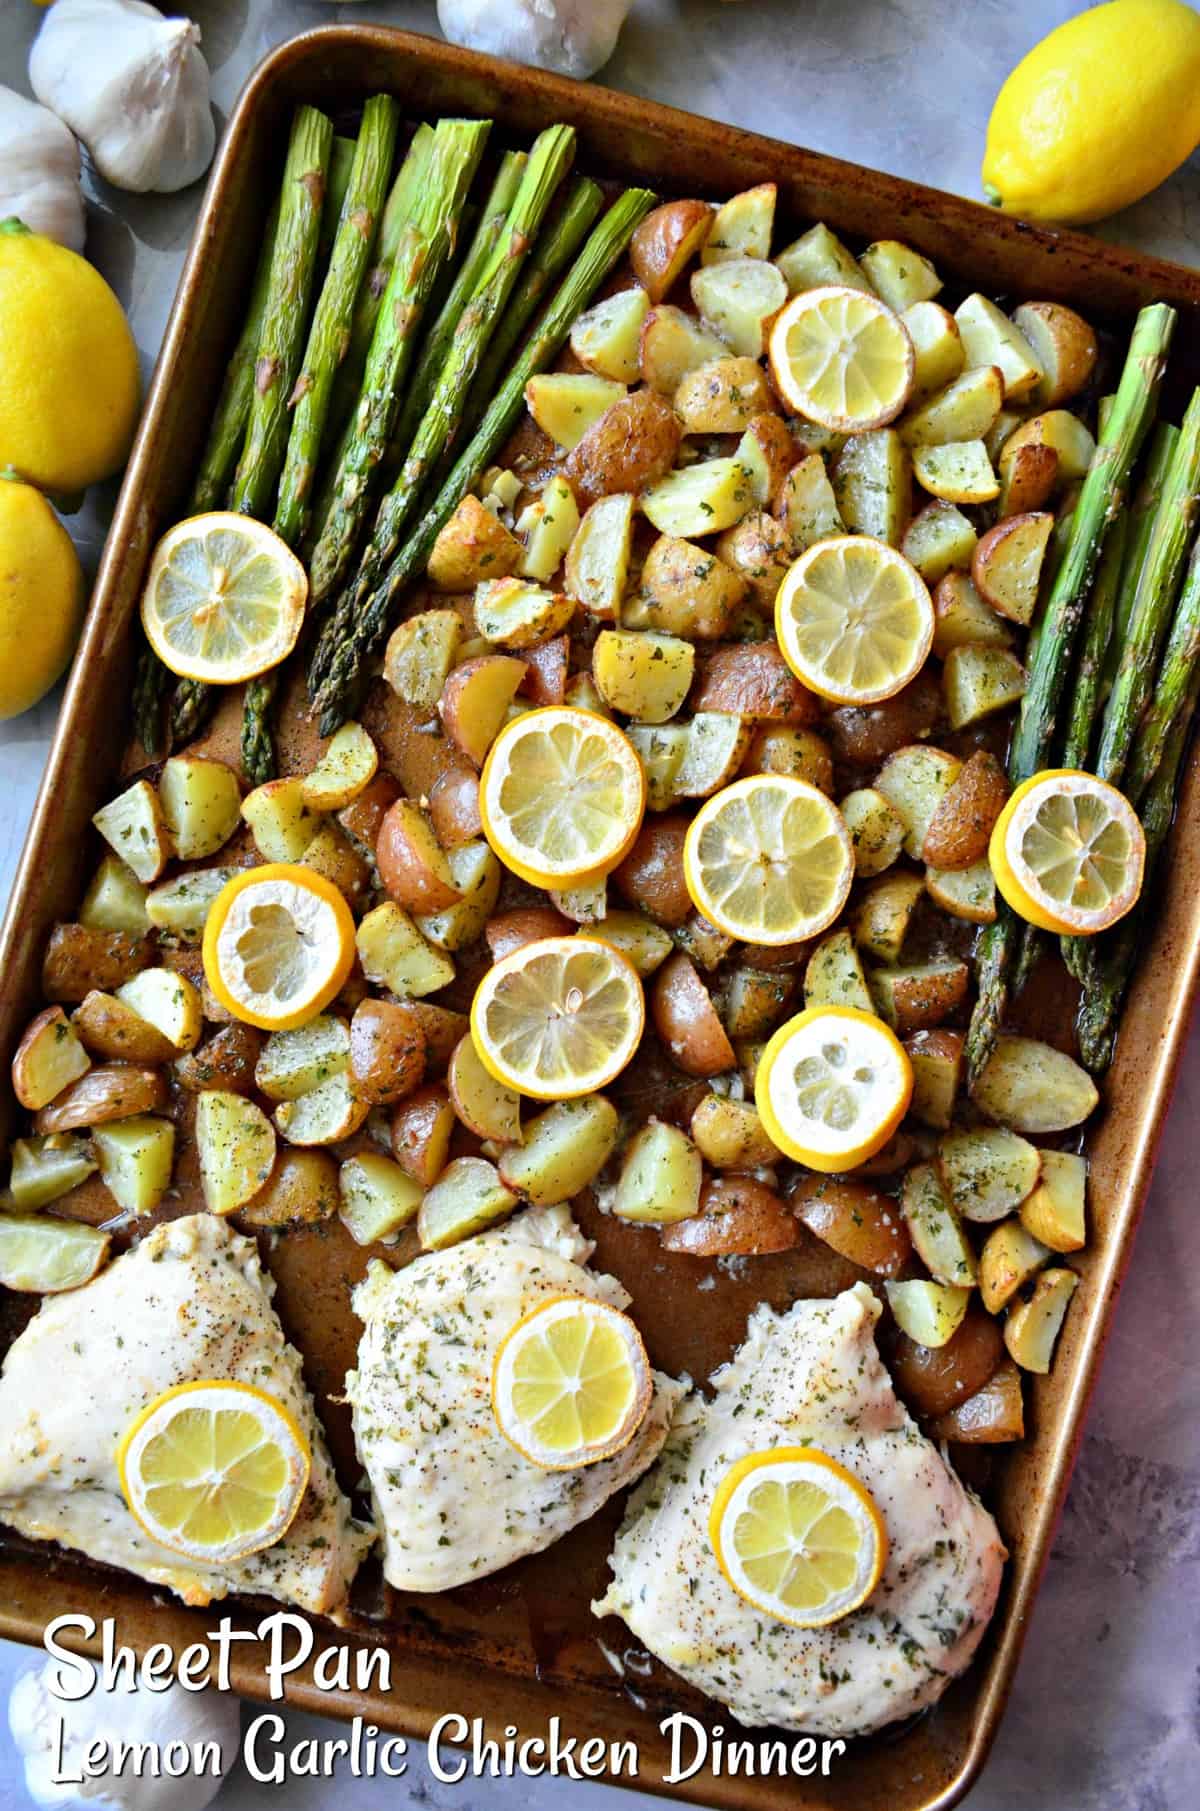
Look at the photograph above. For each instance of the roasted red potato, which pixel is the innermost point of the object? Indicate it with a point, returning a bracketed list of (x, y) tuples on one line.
[(387, 1051), (961, 826), (79, 959), (913, 999), (114, 1091), (48, 1059), (412, 863), (454, 808), (421, 1130), (739, 1217), (442, 1027), (113, 1031), (227, 1061), (686, 1019), (668, 238), (864, 735), (860, 1223), (301, 1189), (932, 1380), (510, 931), (993, 1414), (545, 680), (651, 876), (752, 679), (362, 817), (632, 446), (475, 700)]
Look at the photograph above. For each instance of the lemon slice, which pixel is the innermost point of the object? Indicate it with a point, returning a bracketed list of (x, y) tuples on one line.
[(1068, 852), (768, 860), (854, 620), (214, 1470), (571, 1383), (841, 358), (278, 945), (797, 1535), (561, 796), (224, 600), (559, 1018), (832, 1086)]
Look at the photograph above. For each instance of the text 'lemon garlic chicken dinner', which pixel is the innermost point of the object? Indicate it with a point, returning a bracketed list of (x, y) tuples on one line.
[(649, 742)]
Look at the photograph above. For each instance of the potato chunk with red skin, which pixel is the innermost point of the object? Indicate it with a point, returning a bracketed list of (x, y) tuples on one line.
[(687, 1021), (859, 1222), (739, 1217)]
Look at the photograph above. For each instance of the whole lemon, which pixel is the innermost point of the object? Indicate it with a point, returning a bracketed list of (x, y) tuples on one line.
[(69, 382), (1098, 114), (41, 597)]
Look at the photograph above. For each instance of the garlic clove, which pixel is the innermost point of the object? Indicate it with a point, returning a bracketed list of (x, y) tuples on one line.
[(571, 37), (39, 171), (133, 85)]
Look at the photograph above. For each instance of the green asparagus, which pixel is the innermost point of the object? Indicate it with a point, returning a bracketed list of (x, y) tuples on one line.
[(1154, 599), (341, 163), (233, 404), (329, 336), (425, 247), (367, 625), (149, 687), (1049, 659), (442, 420), (1159, 449), (1172, 687), (293, 263)]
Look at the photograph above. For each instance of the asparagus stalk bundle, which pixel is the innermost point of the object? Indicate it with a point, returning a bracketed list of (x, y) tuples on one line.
[(492, 223), (293, 265), (1159, 449), (442, 420), (425, 246), (363, 630), (1100, 500), (329, 336), (1154, 599)]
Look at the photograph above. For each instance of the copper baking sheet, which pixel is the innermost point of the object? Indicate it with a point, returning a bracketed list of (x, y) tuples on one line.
[(521, 1648)]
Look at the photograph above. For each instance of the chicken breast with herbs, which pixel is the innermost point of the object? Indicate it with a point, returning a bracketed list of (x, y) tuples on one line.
[(453, 1498), (190, 1301), (810, 1377)]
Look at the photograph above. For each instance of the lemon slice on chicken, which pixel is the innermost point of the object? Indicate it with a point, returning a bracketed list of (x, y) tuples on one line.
[(571, 1383), (224, 600)]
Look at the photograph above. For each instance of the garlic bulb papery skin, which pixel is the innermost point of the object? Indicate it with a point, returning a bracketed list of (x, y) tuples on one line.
[(39, 171), (164, 1719), (132, 85), (571, 37)]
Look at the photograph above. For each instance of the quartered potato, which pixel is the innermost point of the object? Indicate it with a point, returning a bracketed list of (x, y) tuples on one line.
[(737, 299), (935, 1227), (1032, 1087), (687, 1021), (994, 1414), (475, 700), (385, 1051), (1032, 1328), (1028, 480), (484, 1105), (108, 1091), (958, 833), (885, 914), (49, 1057), (180, 906), (929, 1313), (738, 1217), (473, 546), (900, 276), (990, 338), (606, 338), (978, 681), (597, 566), (1007, 564), (1009, 1258), (115, 900), (201, 803), (1055, 1210), (700, 499), (915, 998), (661, 1176), (563, 1150), (1064, 346), (394, 954), (134, 826), (753, 680), (959, 471), (235, 1142), (168, 1002), (872, 484), (585, 903), (421, 1129), (642, 674), (467, 1196), (645, 943), (987, 1172), (633, 444), (281, 821), (547, 525), (858, 1221), (413, 866), (702, 941), (377, 1198), (302, 1189), (964, 410), (421, 652), (818, 258), (938, 538), (673, 343), (766, 452), (723, 397), (933, 1380), (967, 893), (835, 974), (753, 1000), (294, 1062), (566, 404), (759, 551), (345, 769), (453, 809), (937, 1065), (135, 1157), (41, 1256), (660, 749), (961, 618), (45, 1168), (324, 1115), (476, 872), (665, 243), (1064, 433), (651, 875), (686, 591), (715, 746), (806, 506), (729, 1134), (226, 1060), (335, 856), (742, 227), (937, 347), (876, 830)]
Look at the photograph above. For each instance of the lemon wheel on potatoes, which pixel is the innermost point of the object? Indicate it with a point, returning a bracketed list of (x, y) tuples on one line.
[(224, 600), (561, 796), (768, 860), (854, 620), (797, 1535), (832, 1086), (214, 1470), (841, 358), (1068, 853), (278, 945), (559, 1018), (571, 1383)]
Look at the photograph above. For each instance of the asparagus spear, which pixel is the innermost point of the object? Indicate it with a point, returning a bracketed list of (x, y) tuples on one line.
[(233, 404), (424, 249), (492, 222), (1100, 500), (341, 163), (1154, 599), (396, 215), (293, 261), (149, 687), (191, 703), (1172, 687), (1159, 450), (1110, 973), (441, 422), (329, 336), (367, 624), (557, 244)]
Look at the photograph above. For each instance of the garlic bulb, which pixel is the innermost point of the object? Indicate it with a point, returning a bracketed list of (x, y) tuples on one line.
[(572, 37), (132, 85), (39, 171), (166, 1719)]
